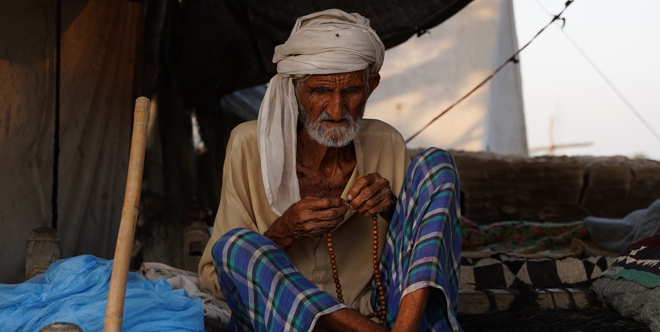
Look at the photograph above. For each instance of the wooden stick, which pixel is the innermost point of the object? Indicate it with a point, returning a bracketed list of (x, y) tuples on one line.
[(115, 308)]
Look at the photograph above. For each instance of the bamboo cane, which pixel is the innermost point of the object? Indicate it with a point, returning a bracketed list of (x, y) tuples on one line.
[(115, 307)]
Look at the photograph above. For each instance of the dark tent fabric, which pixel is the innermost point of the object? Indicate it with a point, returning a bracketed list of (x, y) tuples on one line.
[(228, 45), (191, 53), (98, 55)]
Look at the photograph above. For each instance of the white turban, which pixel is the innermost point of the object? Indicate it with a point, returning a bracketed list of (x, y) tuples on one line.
[(327, 42)]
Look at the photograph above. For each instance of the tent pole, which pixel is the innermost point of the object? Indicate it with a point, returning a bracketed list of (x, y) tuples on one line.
[(115, 307)]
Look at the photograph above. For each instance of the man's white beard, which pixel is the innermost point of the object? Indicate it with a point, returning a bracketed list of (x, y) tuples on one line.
[(335, 136)]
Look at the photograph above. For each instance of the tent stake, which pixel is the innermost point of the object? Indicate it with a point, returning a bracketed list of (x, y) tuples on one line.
[(115, 308)]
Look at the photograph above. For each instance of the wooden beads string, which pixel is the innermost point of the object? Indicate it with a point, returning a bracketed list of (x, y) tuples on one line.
[(381, 293)]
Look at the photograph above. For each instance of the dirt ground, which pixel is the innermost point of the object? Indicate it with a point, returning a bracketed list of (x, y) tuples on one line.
[(529, 319)]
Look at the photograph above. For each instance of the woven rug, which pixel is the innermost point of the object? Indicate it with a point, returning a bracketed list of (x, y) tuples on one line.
[(503, 271), (639, 262)]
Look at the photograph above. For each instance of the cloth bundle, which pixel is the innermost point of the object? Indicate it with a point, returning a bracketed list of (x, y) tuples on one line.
[(75, 290), (216, 311), (617, 234)]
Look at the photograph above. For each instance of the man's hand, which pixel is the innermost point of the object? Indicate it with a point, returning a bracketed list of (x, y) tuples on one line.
[(309, 217), (372, 195)]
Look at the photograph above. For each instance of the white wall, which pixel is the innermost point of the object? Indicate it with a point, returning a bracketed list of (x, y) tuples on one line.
[(424, 75)]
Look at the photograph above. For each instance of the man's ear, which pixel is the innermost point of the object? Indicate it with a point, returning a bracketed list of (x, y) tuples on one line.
[(374, 80)]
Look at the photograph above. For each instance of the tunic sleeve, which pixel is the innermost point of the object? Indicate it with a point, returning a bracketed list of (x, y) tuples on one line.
[(235, 210)]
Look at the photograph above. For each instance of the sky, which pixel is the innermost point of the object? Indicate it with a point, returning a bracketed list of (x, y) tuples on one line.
[(623, 39)]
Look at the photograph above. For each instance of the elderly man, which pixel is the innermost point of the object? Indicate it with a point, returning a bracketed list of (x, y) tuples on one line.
[(309, 235)]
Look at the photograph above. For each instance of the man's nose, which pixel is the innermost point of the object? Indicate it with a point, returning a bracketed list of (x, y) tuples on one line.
[(337, 107)]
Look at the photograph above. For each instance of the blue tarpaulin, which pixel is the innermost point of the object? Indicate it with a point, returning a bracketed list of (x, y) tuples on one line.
[(75, 290)]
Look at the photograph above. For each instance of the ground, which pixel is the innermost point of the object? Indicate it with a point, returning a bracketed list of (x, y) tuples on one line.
[(528, 319)]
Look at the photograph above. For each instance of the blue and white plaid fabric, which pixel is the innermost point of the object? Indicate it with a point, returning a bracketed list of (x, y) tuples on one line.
[(262, 287), (423, 247), (267, 293)]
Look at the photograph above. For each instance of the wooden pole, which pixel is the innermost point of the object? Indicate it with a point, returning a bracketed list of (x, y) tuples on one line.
[(115, 308)]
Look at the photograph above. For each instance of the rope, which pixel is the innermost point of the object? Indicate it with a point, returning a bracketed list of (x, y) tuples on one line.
[(607, 80), (510, 59), (56, 148)]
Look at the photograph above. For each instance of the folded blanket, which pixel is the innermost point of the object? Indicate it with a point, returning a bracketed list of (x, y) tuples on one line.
[(632, 283), (75, 290), (528, 239)]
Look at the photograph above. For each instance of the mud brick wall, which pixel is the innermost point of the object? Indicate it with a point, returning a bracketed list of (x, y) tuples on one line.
[(554, 189)]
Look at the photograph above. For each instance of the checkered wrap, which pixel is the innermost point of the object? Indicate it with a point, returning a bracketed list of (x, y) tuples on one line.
[(423, 245), (262, 287), (267, 293)]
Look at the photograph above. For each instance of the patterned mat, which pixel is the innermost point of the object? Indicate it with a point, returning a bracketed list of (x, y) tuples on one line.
[(502, 272), (514, 254), (639, 262)]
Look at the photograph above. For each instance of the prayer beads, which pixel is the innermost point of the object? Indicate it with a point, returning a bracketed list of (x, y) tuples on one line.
[(335, 275)]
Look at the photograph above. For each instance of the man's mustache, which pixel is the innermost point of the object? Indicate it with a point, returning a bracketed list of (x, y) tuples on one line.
[(325, 116)]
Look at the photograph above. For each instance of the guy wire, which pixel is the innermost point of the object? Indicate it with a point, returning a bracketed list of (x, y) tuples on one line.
[(510, 59)]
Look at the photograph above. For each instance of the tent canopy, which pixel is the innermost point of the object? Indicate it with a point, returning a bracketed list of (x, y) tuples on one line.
[(228, 45)]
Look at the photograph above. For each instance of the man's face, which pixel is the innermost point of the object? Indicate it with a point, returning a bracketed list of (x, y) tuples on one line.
[(332, 105)]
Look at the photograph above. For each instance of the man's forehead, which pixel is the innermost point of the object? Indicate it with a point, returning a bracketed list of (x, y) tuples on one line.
[(356, 76)]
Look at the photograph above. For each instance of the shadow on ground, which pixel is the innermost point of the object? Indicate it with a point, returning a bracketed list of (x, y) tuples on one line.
[(592, 319)]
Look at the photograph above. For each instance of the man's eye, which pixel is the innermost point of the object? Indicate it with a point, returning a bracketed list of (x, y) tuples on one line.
[(320, 90), (352, 90)]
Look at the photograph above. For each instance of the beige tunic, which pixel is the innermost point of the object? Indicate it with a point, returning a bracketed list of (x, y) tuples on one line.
[(243, 204)]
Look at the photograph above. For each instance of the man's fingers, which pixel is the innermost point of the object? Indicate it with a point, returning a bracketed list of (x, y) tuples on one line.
[(315, 204), (322, 228), (331, 214), (364, 188), (378, 208), (312, 217), (363, 198), (372, 194), (311, 209), (321, 222), (359, 185), (377, 204)]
